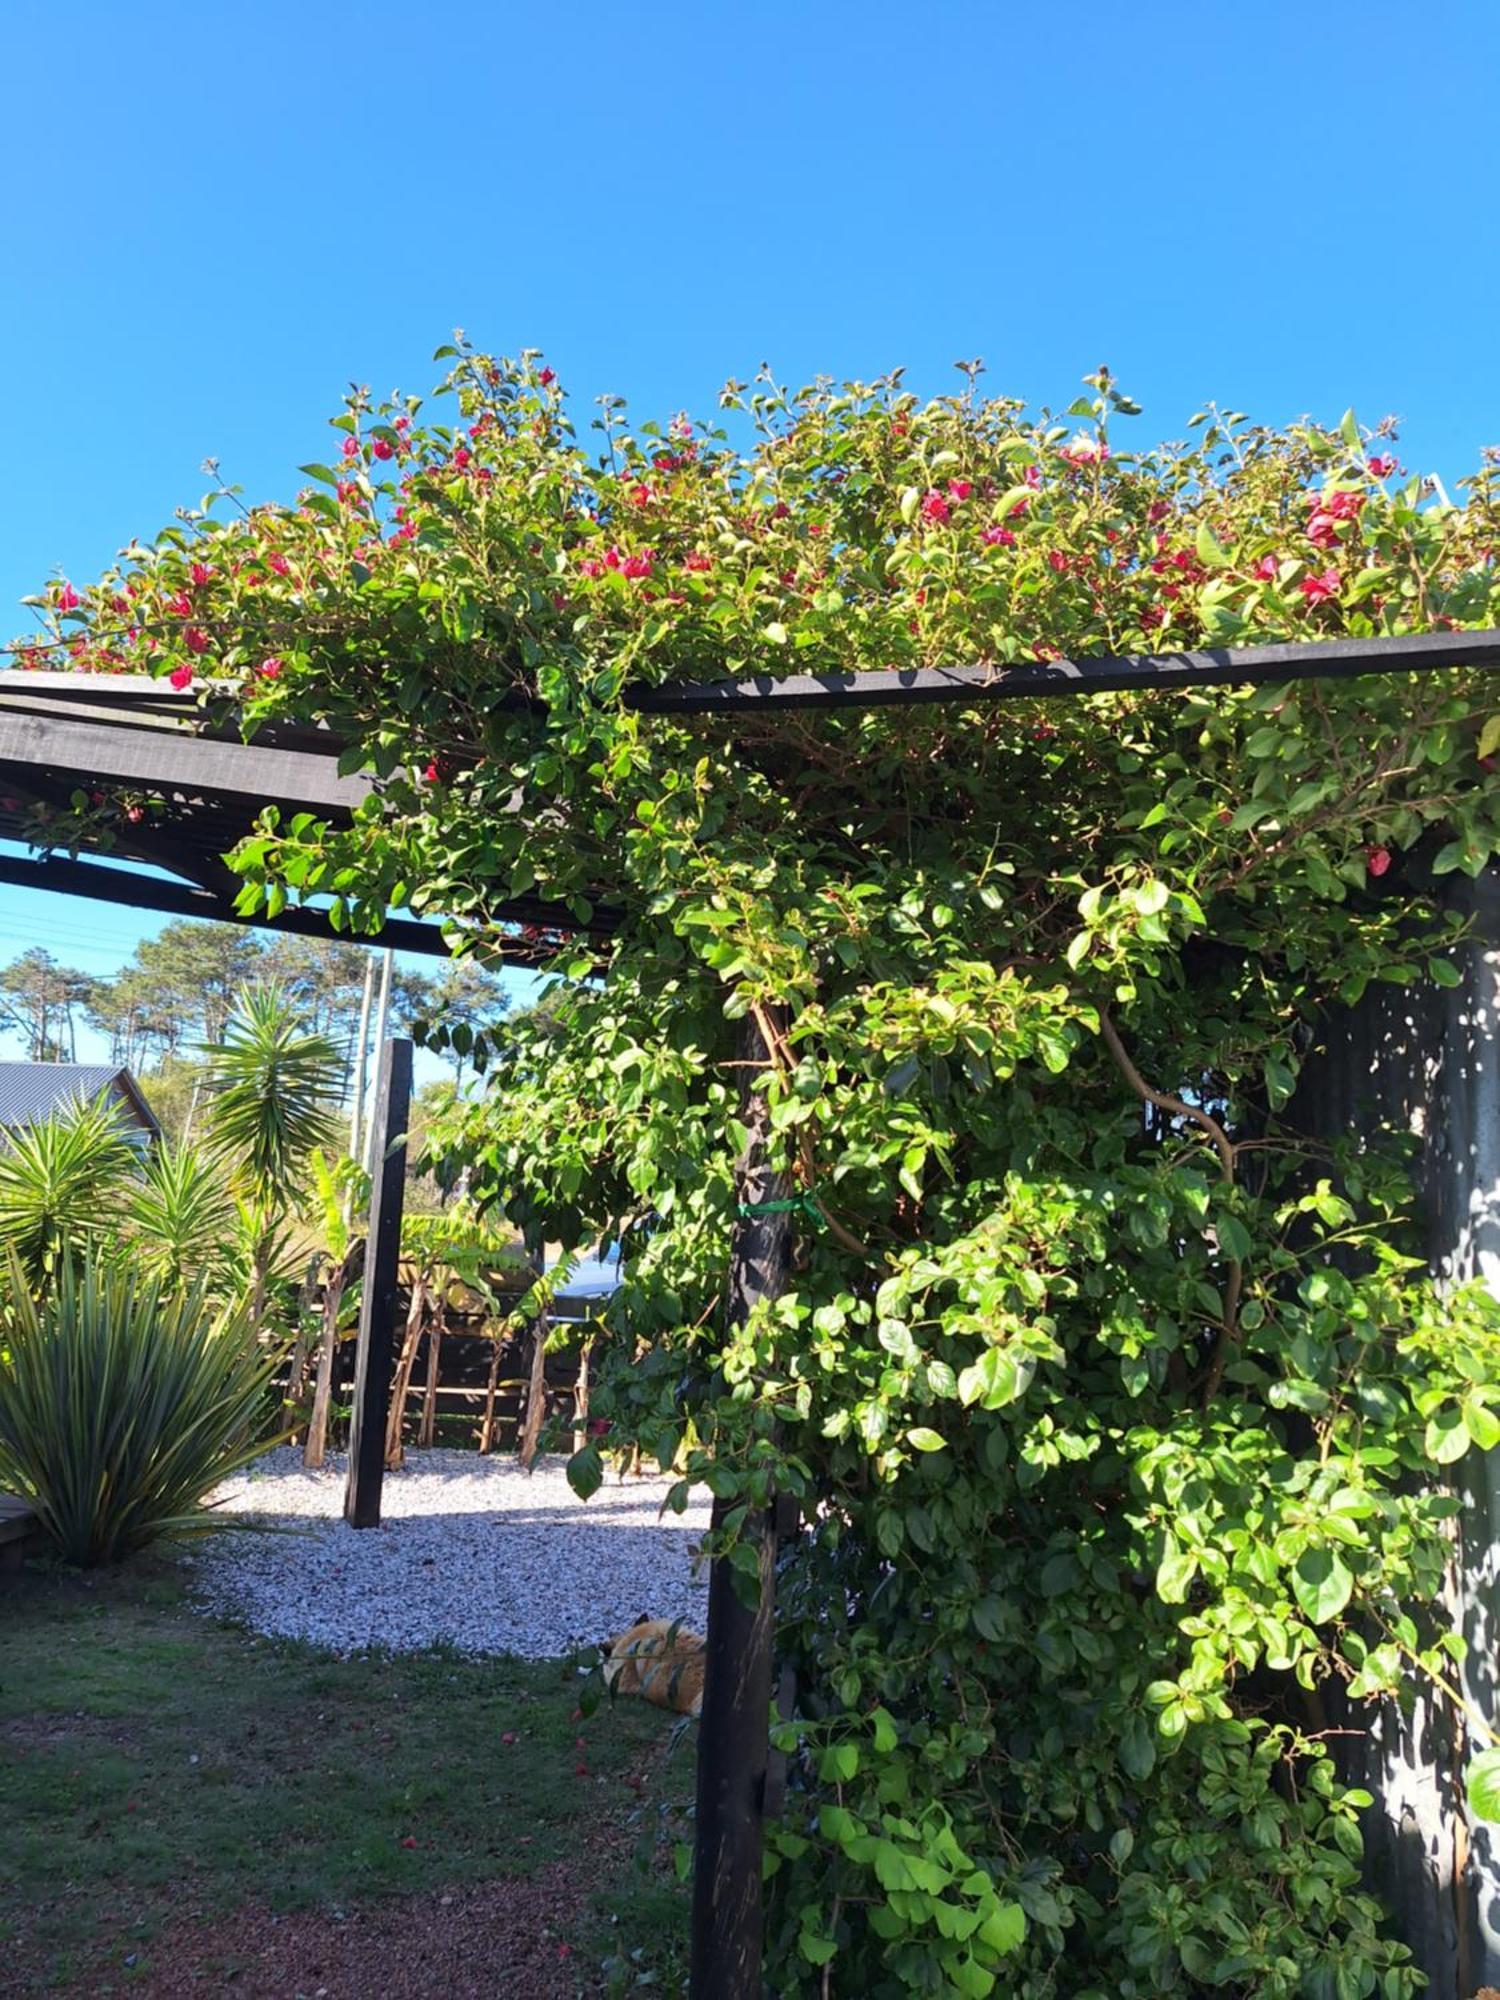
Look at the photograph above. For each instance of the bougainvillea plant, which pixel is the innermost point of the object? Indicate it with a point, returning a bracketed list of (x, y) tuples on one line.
[(1117, 1401)]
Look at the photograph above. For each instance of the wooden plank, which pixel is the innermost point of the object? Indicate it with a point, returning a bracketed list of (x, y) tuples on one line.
[(1330, 659), (734, 1731), (377, 1302), (178, 761)]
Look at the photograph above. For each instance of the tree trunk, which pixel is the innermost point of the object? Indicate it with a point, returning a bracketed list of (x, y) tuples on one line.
[(491, 1388), (581, 1398), (427, 1432), (536, 1391), (344, 1274), (406, 1361)]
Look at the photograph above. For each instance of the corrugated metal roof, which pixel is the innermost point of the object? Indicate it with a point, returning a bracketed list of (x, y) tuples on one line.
[(33, 1090)]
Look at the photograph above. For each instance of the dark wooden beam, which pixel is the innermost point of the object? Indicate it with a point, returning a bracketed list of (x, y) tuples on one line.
[(136, 891), (377, 1300), (1330, 659), (734, 1731)]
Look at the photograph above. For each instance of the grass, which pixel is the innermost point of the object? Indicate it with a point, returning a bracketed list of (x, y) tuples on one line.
[(154, 1762)]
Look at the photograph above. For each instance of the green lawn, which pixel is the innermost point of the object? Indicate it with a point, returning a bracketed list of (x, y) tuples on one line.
[(154, 1763)]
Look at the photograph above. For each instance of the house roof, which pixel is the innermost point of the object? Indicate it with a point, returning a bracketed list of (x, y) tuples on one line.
[(33, 1090)]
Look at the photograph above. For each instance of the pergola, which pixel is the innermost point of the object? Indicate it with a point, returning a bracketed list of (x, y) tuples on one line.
[(65, 733)]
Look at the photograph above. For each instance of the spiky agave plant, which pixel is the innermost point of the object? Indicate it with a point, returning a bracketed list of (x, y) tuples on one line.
[(181, 1216), (124, 1398)]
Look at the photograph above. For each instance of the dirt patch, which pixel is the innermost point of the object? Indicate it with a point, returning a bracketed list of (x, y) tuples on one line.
[(505, 1937), (55, 1732)]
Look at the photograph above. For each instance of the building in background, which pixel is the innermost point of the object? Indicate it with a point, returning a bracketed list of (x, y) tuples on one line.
[(31, 1091)]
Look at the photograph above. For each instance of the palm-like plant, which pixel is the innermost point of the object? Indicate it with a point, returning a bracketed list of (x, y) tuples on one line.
[(271, 1094), (123, 1399), (62, 1182), (181, 1217)]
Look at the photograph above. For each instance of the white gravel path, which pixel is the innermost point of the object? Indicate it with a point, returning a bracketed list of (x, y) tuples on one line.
[(471, 1552)]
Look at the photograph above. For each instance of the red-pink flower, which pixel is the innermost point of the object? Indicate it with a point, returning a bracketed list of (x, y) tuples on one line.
[(270, 670), (1377, 859), (1343, 505), (402, 424), (935, 508), (181, 677), (1057, 560), (180, 606), (195, 639), (1084, 450), (463, 457), (1382, 465), (1033, 475), (590, 566), (998, 537), (68, 598), (199, 575), (546, 377), (1022, 506), (280, 564), (351, 447), (697, 561), (1267, 568), (638, 565), (640, 496), (383, 448), (1316, 588), (959, 489)]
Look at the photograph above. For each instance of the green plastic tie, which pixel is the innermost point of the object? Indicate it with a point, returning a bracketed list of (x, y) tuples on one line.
[(803, 1204)]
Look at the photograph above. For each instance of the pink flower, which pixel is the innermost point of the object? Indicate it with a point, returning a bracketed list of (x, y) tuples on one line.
[(463, 457), (1382, 465), (195, 639), (1316, 588), (68, 598), (1158, 510), (640, 496), (199, 575), (180, 606), (546, 377), (1058, 561), (1022, 506), (1033, 475), (432, 773), (994, 537), (1267, 568), (1343, 506), (383, 448), (1323, 531), (402, 424), (698, 561), (280, 564), (181, 677), (959, 489), (639, 565), (351, 447), (1377, 860), (270, 670), (935, 508), (1084, 450), (1152, 616)]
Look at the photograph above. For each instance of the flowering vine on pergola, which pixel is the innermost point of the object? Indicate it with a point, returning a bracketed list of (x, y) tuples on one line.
[(938, 1058)]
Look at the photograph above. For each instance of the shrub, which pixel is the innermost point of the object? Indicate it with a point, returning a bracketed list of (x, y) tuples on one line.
[(122, 1402)]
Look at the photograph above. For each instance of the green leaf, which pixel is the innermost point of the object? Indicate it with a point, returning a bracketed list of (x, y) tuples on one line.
[(1482, 1424), (1321, 1584), (1482, 1785), (1446, 1438), (926, 1440), (1210, 554), (1489, 738), (1004, 1929), (1175, 1573)]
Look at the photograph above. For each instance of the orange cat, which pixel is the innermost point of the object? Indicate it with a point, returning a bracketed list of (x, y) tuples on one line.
[(660, 1660)]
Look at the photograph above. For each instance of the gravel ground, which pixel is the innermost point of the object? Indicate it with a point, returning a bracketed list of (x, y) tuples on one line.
[(472, 1553)]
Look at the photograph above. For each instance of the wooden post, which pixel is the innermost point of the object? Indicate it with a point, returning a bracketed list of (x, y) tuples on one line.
[(377, 1306), (733, 1734)]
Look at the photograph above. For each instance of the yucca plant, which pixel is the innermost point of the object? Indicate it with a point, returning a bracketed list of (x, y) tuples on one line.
[(181, 1216), (62, 1182), (124, 1398)]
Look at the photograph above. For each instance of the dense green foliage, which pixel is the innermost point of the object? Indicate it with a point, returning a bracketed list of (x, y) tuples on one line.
[(1118, 1405)]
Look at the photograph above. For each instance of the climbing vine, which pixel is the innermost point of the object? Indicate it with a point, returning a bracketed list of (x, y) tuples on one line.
[(1115, 1397)]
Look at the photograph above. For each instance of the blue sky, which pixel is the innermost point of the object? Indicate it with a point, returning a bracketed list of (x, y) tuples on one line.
[(214, 218)]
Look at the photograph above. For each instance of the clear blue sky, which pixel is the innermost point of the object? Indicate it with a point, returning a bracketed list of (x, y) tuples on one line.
[(214, 217)]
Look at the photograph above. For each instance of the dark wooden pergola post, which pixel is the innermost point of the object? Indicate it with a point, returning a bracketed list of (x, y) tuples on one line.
[(377, 1304), (734, 1732)]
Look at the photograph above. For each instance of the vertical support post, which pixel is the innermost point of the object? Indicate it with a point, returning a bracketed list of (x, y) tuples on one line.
[(382, 1022), (377, 1304), (733, 1733)]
